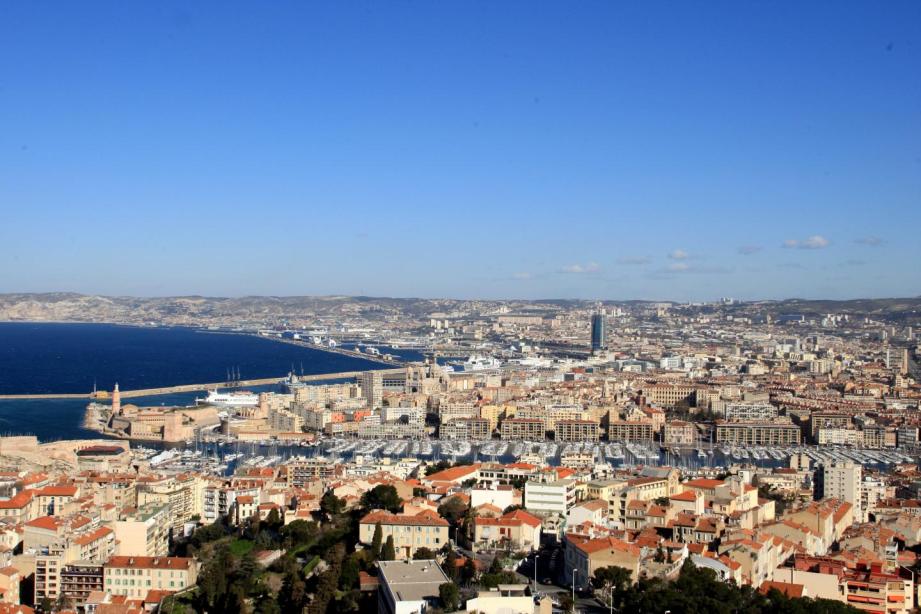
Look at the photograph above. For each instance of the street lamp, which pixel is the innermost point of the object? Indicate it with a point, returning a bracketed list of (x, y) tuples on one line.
[(535, 572), (611, 598), (574, 570)]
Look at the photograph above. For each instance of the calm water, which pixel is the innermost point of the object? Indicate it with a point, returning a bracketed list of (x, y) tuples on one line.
[(60, 358)]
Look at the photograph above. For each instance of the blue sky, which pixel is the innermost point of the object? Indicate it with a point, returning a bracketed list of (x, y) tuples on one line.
[(499, 149)]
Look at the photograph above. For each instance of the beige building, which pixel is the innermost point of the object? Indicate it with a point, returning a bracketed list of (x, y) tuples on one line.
[(426, 529), (465, 429), (135, 576), (529, 429), (144, 531), (757, 434), (680, 433), (577, 430), (628, 430)]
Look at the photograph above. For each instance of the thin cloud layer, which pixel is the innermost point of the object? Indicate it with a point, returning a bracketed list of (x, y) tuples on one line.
[(578, 269), (813, 242)]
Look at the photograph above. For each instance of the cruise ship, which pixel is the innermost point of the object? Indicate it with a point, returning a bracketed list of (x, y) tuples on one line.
[(229, 399), (479, 363)]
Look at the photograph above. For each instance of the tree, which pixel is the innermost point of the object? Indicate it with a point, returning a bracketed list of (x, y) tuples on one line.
[(512, 508), (423, 554), (331, 505), (376, 541), (496, 565), (449, 595), (660, 555), (382, 496), (293, 594), (453, 510), (612, 577), (273, 520), (468, 571), (388, 552), (299, 532), (450, 565), (348, 578)]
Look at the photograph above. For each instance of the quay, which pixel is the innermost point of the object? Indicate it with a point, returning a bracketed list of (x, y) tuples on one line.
[(127, 394)]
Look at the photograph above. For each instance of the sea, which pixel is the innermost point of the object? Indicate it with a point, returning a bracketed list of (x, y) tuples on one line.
[(44, 358)]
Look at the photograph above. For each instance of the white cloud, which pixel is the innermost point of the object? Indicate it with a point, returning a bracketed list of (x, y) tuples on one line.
[(678, 254), (578, 269), (522, 275), (813, 242), (748, 250), (679, 266)]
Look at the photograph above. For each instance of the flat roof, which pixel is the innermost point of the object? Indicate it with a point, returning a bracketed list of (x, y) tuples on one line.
[(412, 580)]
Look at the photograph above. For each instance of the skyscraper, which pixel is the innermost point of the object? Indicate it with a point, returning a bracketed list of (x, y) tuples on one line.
[(598, 340)]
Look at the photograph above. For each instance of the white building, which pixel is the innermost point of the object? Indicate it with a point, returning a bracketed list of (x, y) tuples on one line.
[(551, 497), (409, 587)]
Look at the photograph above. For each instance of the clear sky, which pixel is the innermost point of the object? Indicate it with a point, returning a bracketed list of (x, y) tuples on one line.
[(617, 150)]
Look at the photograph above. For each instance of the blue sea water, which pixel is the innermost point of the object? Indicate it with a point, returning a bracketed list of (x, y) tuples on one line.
[(40, 358)]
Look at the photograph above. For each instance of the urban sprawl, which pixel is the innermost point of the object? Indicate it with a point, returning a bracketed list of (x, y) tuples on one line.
[(540, 457)]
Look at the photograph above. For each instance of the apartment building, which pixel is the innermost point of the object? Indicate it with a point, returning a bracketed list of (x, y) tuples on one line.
[(554, 497), (135, 576), (143, 531), (749, 412), (757, 434), (630, 430), (529, 429), (577, 430), (465, 429)]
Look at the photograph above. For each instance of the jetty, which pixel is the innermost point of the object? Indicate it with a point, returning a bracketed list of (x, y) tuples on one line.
[(127, 394)]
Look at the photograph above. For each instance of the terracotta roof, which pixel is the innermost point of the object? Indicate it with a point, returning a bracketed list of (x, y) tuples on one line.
[(89, 538), (425, 518), (788, 589), (453, 474), (149, 562), (606, 543), (57, 491)]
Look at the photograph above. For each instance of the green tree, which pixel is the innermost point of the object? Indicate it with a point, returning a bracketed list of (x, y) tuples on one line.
[(382, 496), (388, 552), (452, 510), (348, 578), (299, 532), (293, 594), (376, 541), (331, 505), (496, 565), (423, 554), (450, 596), (273, 520)]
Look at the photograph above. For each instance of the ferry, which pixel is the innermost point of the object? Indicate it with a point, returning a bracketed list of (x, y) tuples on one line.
[(229, 399)]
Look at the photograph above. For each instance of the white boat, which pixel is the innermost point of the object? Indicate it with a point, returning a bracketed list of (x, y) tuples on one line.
[(229, 399)]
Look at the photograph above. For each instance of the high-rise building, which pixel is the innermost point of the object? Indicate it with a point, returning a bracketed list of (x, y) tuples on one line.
[(842, 481), (372, 387), (598, 340)]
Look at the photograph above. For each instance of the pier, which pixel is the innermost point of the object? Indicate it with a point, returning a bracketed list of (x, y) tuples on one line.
[(127, 394)]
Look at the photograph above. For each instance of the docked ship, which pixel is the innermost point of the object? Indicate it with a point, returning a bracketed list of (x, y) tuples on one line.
[(229, 399), (479, 363)]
